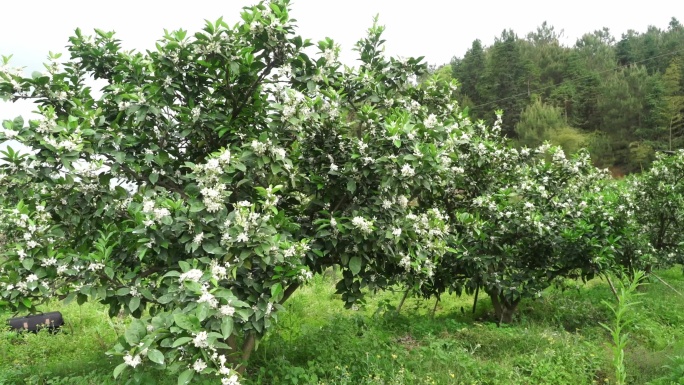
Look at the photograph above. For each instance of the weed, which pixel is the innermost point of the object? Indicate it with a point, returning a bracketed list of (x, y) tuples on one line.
[(556, 341), (623, 317)]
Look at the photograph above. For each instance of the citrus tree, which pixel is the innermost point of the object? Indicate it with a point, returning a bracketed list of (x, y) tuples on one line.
[(660, 193), (212, 177), (545, 217)]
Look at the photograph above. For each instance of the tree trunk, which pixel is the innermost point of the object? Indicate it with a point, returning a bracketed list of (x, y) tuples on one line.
[(247, 348), (401, 303), (240, 355), (503, 309), (477, 292), (232, 342), (641, 287), (434, 309), (507, 315), (612, 288), (233, 352)]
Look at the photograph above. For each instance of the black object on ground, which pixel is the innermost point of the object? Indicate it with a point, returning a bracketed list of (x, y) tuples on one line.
[(32, 323)]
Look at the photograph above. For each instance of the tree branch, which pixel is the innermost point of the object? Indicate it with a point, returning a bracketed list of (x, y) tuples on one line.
[(667, 284), (134, 176), (612, 288), (150, 271), (289, 291), (251, 90)]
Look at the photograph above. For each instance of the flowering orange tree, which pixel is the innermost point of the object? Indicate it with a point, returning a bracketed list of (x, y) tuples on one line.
[(660, 212), (546, 217), (213, 176)]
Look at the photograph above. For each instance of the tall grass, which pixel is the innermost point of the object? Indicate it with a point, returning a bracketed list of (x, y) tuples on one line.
[(557, 340)]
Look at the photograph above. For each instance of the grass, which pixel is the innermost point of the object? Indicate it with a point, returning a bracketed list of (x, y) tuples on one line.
[(555, 340)]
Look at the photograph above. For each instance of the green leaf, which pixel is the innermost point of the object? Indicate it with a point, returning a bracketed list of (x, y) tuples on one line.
[(185, 377), (227, 327), (184, 266), (193, 286), (123, 291), (18, 123), (155, 356), (134, 304), (166, 298), (120, 368), (181, 341), (187, 322), (240, 166), (244, 313), (154, 177), (351, 186), (212, 248), (69, 298), (234, 67), (135, 332), (355, 265), (202, 311), (258, 326), (174, 273), (196, 207), (27, 263), (276, 289)]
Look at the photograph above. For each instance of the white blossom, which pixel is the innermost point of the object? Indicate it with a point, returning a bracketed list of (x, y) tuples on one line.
[(218, 272), (405, 262), (132, 361), (407, 171), (362, 224), (191, 275), (96, 266), (199, 365), (198, 238), (430, 121), (209, 299), (161, 213), (227, 310), (242, 237), (195, 112), (52, 261), (232, 380), (305, 275), (224, 158), (200, 340)]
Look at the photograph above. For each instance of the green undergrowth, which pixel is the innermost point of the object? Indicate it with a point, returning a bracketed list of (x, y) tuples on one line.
[(555, 339)]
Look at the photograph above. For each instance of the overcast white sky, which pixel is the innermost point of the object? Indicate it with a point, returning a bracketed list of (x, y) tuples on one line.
[(436, 29)]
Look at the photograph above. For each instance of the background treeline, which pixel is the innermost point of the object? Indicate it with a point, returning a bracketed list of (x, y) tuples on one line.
[(623, 99)]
